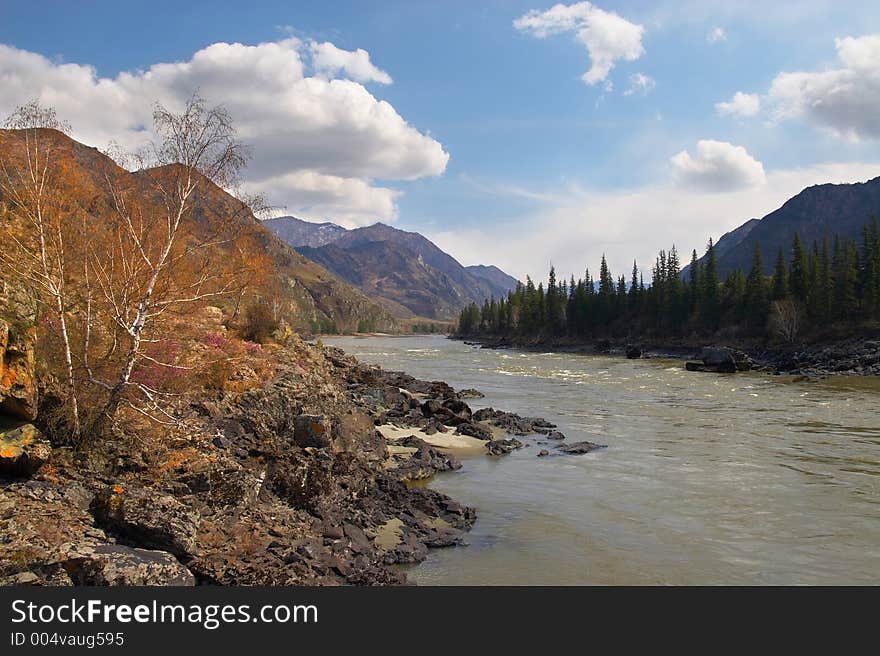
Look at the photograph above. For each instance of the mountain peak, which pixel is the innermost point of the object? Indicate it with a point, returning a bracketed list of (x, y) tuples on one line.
[(403, 268)]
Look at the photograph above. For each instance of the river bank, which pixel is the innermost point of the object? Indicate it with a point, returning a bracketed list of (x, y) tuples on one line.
[(855, 356), (304, 479)]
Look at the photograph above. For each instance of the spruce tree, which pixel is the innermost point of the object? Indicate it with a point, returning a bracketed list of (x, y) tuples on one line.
[(756, 291), (709, 297), (779, 284), (798, 271), (695, 283)]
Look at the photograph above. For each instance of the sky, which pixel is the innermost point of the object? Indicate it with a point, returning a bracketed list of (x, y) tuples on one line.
[(515, 133)]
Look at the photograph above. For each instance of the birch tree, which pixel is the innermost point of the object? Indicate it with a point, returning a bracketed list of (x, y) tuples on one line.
[(39, 230), (164, 260)]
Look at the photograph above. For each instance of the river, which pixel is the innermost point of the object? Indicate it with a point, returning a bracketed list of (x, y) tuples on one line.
[(707, 479)]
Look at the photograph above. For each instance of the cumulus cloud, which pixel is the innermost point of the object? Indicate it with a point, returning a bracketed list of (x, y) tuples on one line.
[(350, 202), (742, 105), (607, 36), (631, 223), (717, 166), (716, 35), (844, 100), (330, 60), (320, 137), (641, 84)]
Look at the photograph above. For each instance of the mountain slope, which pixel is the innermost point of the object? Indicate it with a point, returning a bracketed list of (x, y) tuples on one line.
[(494, 276), (403, 269), (385, 270), (305, 294), (815, 213), (727, 242), (296, 232)]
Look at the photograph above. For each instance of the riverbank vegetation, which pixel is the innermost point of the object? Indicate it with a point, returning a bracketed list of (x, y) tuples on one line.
[(832, 283)]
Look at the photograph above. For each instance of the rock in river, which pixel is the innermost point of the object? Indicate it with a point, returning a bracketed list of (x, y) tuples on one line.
[(579, 448)]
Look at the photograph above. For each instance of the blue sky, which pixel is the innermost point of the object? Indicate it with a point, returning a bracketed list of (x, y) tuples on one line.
[(542, 166)]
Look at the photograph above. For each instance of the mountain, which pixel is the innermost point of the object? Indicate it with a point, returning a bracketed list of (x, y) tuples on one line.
[(296, 232), (306, 295), (493, 275), (816, 212), (727, 242), (403, 270)]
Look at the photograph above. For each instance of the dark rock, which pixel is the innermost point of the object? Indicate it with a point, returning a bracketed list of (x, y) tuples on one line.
[(474, 430), (633, 352), (503, 447), (431, 407), (470, 394), (579, 448), (602, 346), (114, 564), (555, 435), (146, 519), (719, 359), (333, 532), (543, 452), (311, 431)]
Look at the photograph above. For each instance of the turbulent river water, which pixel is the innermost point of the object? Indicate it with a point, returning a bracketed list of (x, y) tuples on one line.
[(707, 479)]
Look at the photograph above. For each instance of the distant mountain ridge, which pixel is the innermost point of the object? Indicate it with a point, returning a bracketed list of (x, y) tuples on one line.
[(296, 232), (403, 270), (815, 213)]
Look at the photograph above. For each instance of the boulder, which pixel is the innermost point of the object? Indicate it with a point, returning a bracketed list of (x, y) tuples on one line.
[(311, 431), (474, 430), (543, 452), (470, 394), (633, 352), (143, 518), (719, 359), (432, 407), (18, 382), (354, 432), (503, 447), (23, 450), (116, 564), (579, 448)]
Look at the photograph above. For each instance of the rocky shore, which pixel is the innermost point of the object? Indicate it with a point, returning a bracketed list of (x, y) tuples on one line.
[(303, 480), (855, 356)]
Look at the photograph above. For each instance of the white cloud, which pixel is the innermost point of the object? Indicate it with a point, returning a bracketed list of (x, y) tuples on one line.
[(844, 100), (716, 35), (741, 105), (319, 141), (350, 202), (631, 223), (330, 60), (607, 36), (717, 166), (639, 83)]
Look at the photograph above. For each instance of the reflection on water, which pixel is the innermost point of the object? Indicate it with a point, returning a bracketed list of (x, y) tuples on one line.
[(707, 479)]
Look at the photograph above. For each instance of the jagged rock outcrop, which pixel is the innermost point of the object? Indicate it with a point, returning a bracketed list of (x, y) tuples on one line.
[(18, 382)]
